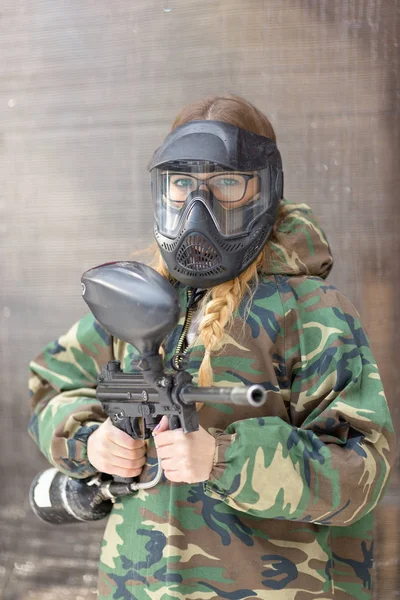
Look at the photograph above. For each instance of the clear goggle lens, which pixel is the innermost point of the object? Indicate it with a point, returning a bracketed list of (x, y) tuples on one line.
[(234, 198), (228, 187)]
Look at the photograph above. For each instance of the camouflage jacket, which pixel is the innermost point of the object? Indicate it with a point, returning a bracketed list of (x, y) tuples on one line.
[(287, 511)]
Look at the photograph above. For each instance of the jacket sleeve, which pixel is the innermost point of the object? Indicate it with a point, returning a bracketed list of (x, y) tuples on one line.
[(329, 462), (65, 410)]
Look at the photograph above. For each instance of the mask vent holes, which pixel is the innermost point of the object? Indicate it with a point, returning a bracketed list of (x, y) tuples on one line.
[(211, 273), (169, 247), (231, 246), (198, 254), (257, 246)]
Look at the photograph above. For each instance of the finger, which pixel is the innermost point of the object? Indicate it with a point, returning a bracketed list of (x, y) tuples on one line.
[(120, 438), (120, 451), (168, 437), (116, 462), (169, 465), (125, 472), (165, 452), (162, 426), (173, 476)]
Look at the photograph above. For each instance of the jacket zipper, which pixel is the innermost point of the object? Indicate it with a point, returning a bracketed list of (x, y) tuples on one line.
[(177, 358)]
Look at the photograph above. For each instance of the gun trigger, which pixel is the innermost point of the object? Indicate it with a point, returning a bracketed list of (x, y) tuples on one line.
[(142, 431), (137, 429)]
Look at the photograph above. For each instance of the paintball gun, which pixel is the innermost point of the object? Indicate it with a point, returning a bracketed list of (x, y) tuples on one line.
[(136, 305)]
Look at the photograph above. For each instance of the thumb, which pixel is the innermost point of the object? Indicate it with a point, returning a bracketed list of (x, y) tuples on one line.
[(162, 426)]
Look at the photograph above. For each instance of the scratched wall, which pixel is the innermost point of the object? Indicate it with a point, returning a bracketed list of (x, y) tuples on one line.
[(88, 89)]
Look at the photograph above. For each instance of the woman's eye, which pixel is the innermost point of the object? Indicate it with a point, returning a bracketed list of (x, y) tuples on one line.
[(228, 182), (183, 183)]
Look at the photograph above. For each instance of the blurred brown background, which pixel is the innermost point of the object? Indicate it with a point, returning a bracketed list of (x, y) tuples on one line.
[(88, 89)]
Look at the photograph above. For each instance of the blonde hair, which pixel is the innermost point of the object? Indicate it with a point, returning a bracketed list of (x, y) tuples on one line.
[(221, 301)]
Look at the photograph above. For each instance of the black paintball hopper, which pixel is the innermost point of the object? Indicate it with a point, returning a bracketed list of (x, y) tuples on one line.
[(132, 302)]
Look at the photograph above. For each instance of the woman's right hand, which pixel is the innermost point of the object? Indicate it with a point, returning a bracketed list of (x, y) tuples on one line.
[(113, 451)]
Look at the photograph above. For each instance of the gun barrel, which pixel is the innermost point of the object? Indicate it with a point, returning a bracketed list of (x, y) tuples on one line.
[(254, 395)]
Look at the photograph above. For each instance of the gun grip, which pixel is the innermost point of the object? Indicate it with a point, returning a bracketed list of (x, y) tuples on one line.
[(131, 426), (174, 422)]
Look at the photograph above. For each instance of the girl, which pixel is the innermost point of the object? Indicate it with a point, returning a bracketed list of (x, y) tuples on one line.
[(273, 502)]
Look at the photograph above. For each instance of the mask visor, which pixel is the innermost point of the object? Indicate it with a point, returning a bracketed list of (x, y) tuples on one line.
[(234, 199)]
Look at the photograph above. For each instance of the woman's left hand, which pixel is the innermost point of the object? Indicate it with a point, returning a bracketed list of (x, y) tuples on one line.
[(185, 457)]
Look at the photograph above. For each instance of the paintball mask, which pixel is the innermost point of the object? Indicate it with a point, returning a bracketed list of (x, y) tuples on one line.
[(216, 190)]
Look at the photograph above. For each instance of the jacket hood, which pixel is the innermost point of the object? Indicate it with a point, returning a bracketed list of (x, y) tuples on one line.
[(298, 245)]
